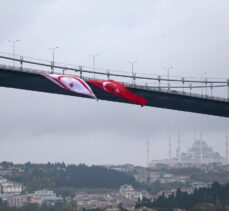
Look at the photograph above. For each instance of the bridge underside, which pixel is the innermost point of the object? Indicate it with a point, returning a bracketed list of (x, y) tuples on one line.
[(36, 82)]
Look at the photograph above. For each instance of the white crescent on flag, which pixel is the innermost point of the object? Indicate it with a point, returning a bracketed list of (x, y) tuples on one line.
[(71, 83)]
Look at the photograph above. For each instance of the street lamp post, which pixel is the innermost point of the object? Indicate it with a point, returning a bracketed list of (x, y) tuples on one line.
[(168, 69), (132, 68), (228, 89), (53, 56), (93, 61), (202, 77), (211, 89), (13, 45), (206, 85)]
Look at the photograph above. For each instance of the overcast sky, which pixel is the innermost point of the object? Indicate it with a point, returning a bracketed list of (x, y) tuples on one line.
[(192, 36)]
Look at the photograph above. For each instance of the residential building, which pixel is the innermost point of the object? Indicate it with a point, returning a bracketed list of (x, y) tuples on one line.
[(35, 200), (92, 201), (170, 178), (197, 185), (154, 176), (141, 174), (11, 187), (128, 192), (47, 196), (17, 201), (123, 168), (164, 164)]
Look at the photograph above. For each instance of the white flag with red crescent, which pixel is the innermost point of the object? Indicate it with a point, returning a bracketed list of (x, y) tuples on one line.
[(71, 83)]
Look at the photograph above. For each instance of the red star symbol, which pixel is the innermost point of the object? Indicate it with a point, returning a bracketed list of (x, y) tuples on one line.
[(71, 84)]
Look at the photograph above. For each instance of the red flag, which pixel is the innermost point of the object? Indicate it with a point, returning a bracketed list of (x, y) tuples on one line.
[(118, 90)]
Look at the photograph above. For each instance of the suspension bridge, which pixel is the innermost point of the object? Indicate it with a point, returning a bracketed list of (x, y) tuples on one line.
[(183, 94)]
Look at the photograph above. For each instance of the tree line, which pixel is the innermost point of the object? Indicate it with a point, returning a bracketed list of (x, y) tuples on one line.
[(214, 198), (33, 207), (59, 175)]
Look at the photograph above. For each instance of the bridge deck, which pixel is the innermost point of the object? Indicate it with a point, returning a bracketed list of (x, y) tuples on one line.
[(32, 80)]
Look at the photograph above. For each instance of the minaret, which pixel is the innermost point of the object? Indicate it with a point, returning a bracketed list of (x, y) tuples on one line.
[(179, 150), (147, 153), (148, 164), (201, 148), (170, 148)]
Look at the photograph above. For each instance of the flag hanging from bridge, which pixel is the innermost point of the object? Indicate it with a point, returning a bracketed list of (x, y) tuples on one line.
[(118, 90), (71, 83)]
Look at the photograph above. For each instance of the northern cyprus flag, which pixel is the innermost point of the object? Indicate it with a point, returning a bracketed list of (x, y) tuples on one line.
[(71, 83)]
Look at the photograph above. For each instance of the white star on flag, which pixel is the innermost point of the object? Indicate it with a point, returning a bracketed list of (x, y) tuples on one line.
[(71, 83)]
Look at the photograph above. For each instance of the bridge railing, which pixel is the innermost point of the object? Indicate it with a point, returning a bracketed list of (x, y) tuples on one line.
[(37, 71), (146, 81), (175, 92)]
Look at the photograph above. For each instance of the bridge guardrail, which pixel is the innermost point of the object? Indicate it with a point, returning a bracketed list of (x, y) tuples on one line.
[(146, 87)]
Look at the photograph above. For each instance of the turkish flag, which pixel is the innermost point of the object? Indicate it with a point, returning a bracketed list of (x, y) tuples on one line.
[(118, 90), (71, 83)]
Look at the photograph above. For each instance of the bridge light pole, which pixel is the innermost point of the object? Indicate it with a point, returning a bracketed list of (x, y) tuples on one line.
[(108, 74), (211, 89), (132, 68), (182, 79), (53, 56), (206, 84), (202, 77), (228, 89), (13, 45), (190, 86), (93, 61), (159, 82), (168, 70)]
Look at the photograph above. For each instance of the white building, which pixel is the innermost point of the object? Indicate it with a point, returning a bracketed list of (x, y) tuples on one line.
[(154, 176), (47, 196), (201, 153), (128, 192), (9, 187), (197, 185), (198, 154), (167, 163), (17, 201), (90, 201), (2, 180)]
